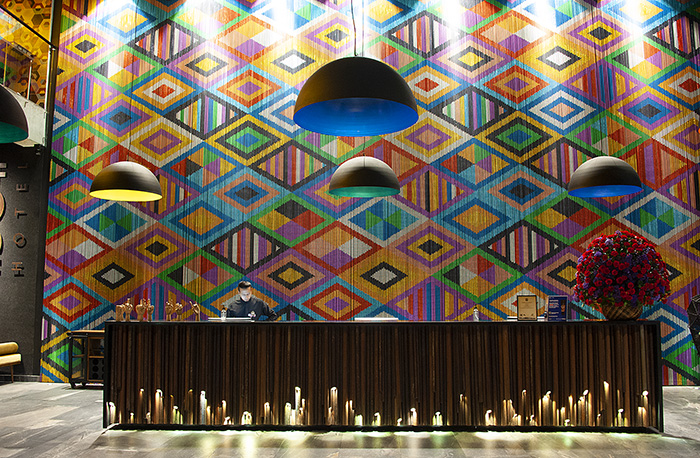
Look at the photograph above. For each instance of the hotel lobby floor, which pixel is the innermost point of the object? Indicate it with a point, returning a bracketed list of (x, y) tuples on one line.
[(53, 420)]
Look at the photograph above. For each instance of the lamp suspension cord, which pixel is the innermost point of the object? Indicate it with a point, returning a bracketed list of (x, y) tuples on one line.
[(354, 25), (602, 83)]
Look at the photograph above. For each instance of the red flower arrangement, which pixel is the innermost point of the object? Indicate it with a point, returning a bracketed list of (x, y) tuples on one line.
[(621, 269)]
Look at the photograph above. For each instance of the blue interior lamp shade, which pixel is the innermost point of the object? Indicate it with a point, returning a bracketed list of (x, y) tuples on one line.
[(126, 181), (355, 97), (13, 122), (604, 176), (364, 177)]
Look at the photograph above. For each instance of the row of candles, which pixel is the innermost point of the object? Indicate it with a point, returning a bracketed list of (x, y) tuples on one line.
[(545, 411)]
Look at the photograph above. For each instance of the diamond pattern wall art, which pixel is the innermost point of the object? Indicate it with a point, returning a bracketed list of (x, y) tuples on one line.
[(513, 96)]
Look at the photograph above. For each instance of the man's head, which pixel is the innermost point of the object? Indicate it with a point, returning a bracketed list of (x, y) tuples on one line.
[(245, 290)]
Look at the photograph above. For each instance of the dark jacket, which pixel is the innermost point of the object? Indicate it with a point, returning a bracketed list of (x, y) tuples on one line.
[(237, 307)]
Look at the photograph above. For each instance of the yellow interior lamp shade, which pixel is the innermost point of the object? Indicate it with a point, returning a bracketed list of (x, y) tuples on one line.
[(126, 181), (13, 122)]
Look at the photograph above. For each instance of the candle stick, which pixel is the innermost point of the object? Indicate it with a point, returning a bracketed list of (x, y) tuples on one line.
[(302, 420), (158, 408), (202, 408), (287, 414), (139, 406), (112, 412), (571, 407), (504, 411), (334, 405), (606, 403), (189, 406)]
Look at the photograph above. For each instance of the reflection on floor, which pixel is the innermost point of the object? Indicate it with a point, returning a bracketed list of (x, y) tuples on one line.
[(52, 420)]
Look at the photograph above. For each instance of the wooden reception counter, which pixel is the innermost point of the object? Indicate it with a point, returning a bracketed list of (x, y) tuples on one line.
[(347, 375)]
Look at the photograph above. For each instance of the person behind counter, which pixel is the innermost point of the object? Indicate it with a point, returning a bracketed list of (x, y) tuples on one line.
[(244, 304)]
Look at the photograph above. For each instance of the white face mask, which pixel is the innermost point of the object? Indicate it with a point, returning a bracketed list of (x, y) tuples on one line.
[(246, 295)]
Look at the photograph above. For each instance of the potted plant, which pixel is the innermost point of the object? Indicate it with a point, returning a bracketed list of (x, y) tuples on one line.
[(621, 274)]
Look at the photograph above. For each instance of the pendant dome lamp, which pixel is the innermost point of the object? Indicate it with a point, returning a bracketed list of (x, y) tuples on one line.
[(604, 176), (355, 97), (126, 181), (364, 177), (13, 122)]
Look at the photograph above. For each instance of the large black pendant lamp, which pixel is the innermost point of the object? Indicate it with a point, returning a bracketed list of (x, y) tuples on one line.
[(604, 176), (13, 122), (355, 97), (126, 181)]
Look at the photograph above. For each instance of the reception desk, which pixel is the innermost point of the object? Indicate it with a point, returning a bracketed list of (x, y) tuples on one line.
[(384, 375)]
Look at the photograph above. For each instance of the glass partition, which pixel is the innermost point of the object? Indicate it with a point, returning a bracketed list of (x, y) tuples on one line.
[(24, 59)]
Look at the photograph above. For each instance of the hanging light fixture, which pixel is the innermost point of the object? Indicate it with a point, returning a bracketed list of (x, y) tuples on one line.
[(13, 122), (604, 176), (126, 181), (364, 177), (355, 97)]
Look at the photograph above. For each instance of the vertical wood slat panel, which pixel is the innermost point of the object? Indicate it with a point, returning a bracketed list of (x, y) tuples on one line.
[(388, 368)]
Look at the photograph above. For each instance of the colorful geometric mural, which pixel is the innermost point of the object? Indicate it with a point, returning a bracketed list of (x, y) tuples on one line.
[(513, 96)]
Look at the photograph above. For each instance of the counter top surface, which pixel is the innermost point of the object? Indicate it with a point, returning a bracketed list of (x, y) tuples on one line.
[(218, 322)]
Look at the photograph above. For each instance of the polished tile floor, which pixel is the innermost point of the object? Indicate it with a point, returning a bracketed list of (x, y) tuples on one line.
[(52, 420)]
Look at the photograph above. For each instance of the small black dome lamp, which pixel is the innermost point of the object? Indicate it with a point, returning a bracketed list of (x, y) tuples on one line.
[(364, 177), (126, 181)]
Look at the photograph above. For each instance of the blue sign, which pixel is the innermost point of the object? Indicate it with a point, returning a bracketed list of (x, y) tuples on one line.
[(556, 308)]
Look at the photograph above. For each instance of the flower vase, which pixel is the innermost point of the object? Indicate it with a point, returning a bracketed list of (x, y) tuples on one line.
[(621, 313)]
